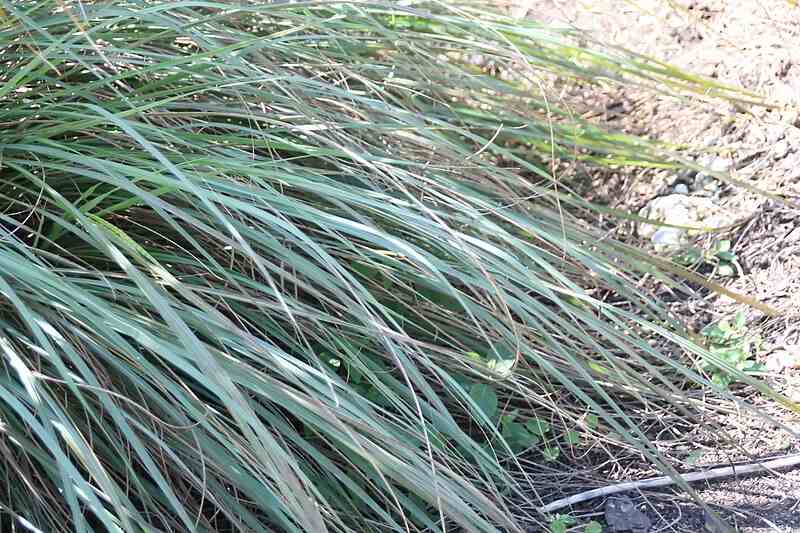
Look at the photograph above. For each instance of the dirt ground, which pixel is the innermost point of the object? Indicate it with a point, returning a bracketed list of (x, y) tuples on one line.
[(755, 45)]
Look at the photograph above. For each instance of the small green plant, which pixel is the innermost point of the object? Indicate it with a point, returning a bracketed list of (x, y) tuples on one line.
[(572, 437), (719, 256), (520, 437), (502, 366), (541, 428), (515, 434), (593, 527), (561, 523), (550, 453), (733, 343)]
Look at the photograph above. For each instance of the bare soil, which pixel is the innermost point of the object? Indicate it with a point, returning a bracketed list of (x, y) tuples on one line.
[(755, 45)]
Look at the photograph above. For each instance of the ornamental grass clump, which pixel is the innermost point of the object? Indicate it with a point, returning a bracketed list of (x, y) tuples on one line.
[(302, 267)]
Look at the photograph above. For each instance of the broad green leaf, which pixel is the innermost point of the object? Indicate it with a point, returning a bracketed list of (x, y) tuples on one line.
[(485, 397), (538, 427), (572, 437), (509, 417), (517, 437)]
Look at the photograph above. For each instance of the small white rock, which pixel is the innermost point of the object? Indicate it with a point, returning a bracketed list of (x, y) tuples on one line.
[(775, 133), (665, 239), (781, 149), (720, 164), (677, 209), (681, 188), (710, 140), (710, 184), (781, 359)]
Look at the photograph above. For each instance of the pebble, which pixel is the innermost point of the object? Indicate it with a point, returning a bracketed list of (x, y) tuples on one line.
[(709, 141), (704, 182), (621, 514), (785, 93), (681, 188), (678, 209), (711, 187), (705, 160), (757, 111), (665, 239), (780, 149), (720, 164), (775, 133), (791, 117), (779, 360)]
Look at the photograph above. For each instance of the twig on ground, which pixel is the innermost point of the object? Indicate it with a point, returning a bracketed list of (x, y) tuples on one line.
[(665, 481)]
